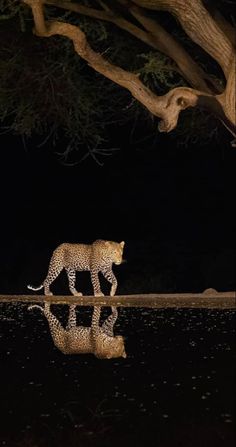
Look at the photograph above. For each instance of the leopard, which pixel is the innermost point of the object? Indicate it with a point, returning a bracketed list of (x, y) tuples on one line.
[(96, 257), (96, 339)]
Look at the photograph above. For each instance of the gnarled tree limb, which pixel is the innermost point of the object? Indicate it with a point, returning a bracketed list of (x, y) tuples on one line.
[(227, 98), (199, 26), (166, 107), (225, 26), (155, 36), (189, 69)]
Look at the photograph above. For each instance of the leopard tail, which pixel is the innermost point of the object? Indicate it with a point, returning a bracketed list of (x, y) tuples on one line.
[(35, 288)]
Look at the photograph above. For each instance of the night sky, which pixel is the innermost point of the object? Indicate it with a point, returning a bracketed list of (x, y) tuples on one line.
[(174, 207)]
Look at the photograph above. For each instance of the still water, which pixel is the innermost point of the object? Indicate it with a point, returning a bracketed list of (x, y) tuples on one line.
[(175, 387)]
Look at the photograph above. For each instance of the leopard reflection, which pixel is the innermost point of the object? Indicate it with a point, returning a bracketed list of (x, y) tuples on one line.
[(94, 339)]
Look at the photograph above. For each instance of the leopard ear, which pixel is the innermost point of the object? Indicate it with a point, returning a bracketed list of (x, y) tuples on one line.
[(122, 244)]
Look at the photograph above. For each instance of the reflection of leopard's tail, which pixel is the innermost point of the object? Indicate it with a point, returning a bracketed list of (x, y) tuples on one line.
[(45, 310), (34, 288), (33, 306)]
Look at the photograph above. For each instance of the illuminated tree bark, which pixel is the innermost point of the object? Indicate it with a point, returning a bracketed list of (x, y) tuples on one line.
[(213, 34)]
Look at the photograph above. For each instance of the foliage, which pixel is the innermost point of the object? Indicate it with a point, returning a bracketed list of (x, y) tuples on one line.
[(54, 94), (158, 72)]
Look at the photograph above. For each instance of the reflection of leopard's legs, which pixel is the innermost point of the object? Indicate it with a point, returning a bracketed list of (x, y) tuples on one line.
[(95, 321), (72, 317), (56, 329), (108, 325), (71, 274)]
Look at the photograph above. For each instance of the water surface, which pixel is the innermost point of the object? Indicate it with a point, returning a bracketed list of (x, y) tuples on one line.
[(176, 387)]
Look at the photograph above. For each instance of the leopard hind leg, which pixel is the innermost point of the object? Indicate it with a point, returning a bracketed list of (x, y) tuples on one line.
[(58, 333), (55, 268)]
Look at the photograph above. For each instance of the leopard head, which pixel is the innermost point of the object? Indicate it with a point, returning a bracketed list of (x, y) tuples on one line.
[(115, 251), (114, 348)]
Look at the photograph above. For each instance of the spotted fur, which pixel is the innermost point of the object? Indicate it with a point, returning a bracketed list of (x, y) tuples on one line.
[(97, 340), (96, 257)]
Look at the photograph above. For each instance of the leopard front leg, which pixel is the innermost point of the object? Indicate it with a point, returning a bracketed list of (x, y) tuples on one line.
[(71, 274), (71, 318), (109, 275), (108, 325), (95, 282)]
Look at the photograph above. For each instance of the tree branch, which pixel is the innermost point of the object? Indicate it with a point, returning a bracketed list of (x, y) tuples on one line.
[(225, 26), (154, 36), (227, 98), (199, 25), (107, 16), (38, 16), (166, 107), (189, 69), (81, 9)]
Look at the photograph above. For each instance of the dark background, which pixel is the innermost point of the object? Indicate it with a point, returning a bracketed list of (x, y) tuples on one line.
[(174, 207)]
